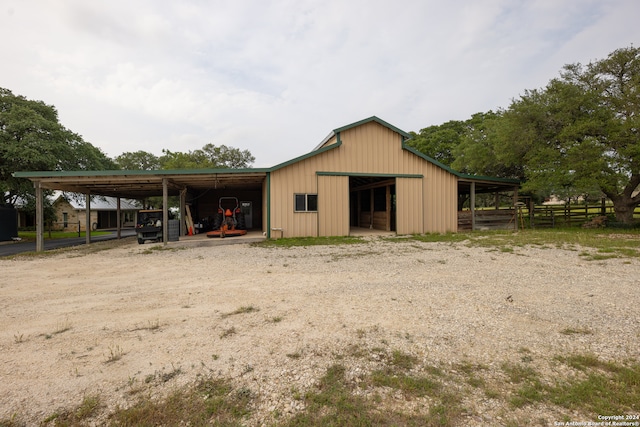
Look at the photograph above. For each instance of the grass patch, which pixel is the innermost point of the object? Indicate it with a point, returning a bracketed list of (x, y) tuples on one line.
[(594, 387), (310, 241), (333, 403), (608, 243), (87, 409), (53, 235), (609, 388), (210, 402), (576, 331)]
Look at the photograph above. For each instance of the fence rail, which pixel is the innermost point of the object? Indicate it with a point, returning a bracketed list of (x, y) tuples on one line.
[(545, 216), (564, 215)]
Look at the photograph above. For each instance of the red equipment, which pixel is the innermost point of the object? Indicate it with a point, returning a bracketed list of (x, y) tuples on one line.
[(229, 220)]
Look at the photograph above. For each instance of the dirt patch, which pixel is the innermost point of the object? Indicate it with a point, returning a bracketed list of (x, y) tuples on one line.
[(136, 319)]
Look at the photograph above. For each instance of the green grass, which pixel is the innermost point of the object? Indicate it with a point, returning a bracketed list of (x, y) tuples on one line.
[(592, 386), (606, 243), (210, 402), (31, 235), (310, 241)]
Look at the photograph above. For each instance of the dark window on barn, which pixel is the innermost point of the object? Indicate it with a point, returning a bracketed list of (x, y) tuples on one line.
[(306, 202)]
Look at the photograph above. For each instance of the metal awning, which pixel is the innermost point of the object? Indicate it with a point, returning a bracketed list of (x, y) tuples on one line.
[(142, 184)]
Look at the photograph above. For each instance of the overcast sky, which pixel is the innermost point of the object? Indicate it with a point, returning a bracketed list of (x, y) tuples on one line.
[(276, 76)]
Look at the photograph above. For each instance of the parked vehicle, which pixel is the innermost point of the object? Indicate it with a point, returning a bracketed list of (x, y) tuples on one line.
[(149, 225), (229, 221)]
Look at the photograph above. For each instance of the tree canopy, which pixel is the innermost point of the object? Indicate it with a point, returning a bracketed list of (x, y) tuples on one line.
[(208, 157), (32, 139), (579, 135), (138, 160)]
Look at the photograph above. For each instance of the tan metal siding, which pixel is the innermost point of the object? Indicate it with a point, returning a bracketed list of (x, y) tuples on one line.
[(367, 149), (333, 205), (409, 206), (440, 204), (298, 178)]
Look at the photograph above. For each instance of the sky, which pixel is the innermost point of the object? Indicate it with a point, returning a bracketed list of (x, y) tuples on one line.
[(276, 77)]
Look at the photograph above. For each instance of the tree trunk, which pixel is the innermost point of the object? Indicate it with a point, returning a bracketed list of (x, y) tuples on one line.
[(623, 207)]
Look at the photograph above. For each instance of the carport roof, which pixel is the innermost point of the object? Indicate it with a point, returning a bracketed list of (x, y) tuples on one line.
[(138, 184)]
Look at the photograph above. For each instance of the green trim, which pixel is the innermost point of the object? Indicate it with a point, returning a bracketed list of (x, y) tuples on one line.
[(306, 156), (268, 205), (376, 175), (373, 119), (456, 173), (51, 174)]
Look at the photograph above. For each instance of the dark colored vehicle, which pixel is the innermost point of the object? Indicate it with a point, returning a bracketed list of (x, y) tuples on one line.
[(149, 225)]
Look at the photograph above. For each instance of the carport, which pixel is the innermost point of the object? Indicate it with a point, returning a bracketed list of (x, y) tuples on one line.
[(140, 185)]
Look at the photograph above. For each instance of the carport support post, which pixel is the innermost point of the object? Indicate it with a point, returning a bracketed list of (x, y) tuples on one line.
[(119, 219), (515, 208), (472, 205), (87, 231), (165, 211), (39, 218)]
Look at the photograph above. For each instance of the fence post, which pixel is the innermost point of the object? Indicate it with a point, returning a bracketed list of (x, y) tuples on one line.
[(553, 220), (78, 228), (603, 207)]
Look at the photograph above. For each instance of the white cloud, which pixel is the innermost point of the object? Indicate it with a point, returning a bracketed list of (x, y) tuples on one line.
[(276, 77)]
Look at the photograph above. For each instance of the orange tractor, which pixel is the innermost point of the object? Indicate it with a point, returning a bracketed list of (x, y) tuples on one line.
[(229, 220)]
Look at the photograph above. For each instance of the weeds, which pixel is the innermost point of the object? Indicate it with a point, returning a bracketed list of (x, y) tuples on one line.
[(228, 332), (575, 331), (62, 327), (211, 401), (149, 326), (241, 310), (115, 353)]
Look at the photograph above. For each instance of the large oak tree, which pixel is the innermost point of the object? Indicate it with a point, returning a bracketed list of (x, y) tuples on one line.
[(577, 135), (32, 139)]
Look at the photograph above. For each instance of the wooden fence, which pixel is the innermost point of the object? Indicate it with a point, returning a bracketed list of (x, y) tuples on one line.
[(563, 215), (537, 217)]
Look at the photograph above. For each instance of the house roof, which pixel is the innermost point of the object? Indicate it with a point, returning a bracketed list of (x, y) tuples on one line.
[(100, 203)]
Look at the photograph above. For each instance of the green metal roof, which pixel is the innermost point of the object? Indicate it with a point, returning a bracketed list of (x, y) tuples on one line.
[(372, 119)]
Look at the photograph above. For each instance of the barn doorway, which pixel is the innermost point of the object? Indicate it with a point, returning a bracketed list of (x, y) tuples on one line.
[(372, 202)]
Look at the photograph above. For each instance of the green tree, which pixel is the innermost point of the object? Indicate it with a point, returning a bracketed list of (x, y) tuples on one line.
[(138, 160), (208, 157), (578, 135), (32, 139), (439, 141)]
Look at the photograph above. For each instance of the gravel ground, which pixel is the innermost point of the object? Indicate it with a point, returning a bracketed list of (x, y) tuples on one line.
[(113, 322)]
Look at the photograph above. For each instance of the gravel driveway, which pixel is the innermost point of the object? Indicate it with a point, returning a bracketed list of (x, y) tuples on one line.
[(273, 319)]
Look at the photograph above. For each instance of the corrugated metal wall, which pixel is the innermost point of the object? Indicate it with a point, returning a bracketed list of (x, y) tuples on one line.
[(409, 200), (298, 178), (333, 205)]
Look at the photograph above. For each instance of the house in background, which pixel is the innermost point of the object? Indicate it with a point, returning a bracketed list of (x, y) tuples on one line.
[(71, 212)]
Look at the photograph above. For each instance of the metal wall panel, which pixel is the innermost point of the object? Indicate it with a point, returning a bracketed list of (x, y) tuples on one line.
[(409, 206), (333, 205)]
